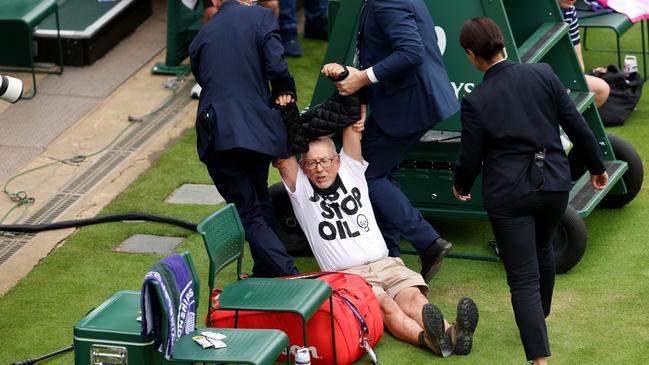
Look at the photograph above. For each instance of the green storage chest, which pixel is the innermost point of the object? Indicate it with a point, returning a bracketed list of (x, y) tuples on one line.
[(110, 334)]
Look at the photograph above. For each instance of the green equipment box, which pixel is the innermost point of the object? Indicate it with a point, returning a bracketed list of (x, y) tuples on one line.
[(89, 29), (110, 334)]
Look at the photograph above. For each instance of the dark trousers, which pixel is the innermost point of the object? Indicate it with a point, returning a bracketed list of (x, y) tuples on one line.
[(313, 9), (394, 213), (524, 230), (241, 176)]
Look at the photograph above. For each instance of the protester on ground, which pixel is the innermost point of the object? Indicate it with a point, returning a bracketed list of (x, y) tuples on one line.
[(510, 134), (400, 61), (329, 195), (234, 57)]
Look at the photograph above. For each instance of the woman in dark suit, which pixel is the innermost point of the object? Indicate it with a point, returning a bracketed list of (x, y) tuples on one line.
[(510, 133)]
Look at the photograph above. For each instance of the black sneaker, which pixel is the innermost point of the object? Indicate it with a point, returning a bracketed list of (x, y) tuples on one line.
[(435, 337), (431, 259), (316, 28), (292, 47), (466, 322)]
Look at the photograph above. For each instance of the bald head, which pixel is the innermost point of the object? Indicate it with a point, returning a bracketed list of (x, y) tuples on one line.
[(320, 147)]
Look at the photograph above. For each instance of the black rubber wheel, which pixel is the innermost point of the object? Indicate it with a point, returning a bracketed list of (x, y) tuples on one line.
[(288, 228), (633, 177), (569, 241)]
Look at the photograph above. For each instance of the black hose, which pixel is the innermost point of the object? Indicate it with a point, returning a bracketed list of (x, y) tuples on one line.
[(51, 354), (32, 228)]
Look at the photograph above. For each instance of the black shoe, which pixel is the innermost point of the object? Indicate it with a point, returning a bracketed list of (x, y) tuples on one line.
[(292, 47), (466, 322), (317, 28), (431, 259), (435, 337)]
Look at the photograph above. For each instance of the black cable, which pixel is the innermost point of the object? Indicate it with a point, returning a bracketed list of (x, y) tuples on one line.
[(137, 216), (32, 228), (51, 354)]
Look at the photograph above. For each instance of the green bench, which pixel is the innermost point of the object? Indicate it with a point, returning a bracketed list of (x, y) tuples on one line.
[(18, 19), (617, 22)]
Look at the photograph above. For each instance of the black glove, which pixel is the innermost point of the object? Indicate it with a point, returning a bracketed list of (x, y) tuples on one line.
[(291, 116)]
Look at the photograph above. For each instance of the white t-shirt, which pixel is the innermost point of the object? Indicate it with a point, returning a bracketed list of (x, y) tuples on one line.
[(341, 229)]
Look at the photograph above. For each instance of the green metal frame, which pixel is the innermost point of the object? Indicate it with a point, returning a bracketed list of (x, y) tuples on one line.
[(619, 24), (19, 18), (182, 25), (534, 31), (223, 236)]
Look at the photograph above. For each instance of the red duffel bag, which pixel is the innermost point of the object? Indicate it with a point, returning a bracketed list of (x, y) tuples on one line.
[(357, 317)]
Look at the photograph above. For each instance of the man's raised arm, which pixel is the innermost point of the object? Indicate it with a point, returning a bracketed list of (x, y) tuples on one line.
[(352, 137), (288, 168)]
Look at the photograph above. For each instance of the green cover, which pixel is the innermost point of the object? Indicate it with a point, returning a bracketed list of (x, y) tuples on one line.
[(114, 323), (115, 319), (17, 21), (77, 15)]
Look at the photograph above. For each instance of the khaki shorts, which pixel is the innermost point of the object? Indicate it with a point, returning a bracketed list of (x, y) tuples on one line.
[(390, 275)]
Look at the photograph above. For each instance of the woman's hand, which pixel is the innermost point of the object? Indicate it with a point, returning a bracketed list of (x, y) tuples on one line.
[(458, 196), (284, 99), (600, 181)]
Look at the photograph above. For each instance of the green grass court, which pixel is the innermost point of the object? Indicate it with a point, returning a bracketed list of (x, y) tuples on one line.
[(599, 314)]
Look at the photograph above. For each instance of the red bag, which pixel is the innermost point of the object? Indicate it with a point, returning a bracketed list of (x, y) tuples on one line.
[(351, 294)]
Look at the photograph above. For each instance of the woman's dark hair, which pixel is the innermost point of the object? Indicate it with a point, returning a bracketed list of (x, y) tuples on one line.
[(482, 36)]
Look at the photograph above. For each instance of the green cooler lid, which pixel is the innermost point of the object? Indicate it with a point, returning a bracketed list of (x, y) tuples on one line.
[(114, 320)]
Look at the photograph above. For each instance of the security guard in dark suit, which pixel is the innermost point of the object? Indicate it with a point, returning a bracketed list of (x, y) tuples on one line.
[(510, 133), (234, 58), (410, 92)]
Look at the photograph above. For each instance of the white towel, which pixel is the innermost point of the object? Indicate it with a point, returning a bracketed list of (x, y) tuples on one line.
[(191, 4), (636, 10)]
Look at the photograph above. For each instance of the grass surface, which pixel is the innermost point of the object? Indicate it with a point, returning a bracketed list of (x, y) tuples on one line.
[(599, 312)]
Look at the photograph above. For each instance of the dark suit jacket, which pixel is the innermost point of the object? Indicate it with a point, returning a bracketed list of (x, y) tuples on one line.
[(515, 112), (397, 38), (233, 58)]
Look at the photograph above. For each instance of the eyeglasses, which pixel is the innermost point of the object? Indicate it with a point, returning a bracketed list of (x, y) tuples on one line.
[(325, 162)]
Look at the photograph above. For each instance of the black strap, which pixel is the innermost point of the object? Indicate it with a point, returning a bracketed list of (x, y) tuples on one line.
[(358, 316), (343, 75)]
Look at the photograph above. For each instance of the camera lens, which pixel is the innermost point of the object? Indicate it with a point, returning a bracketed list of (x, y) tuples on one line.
[(11, 88)]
